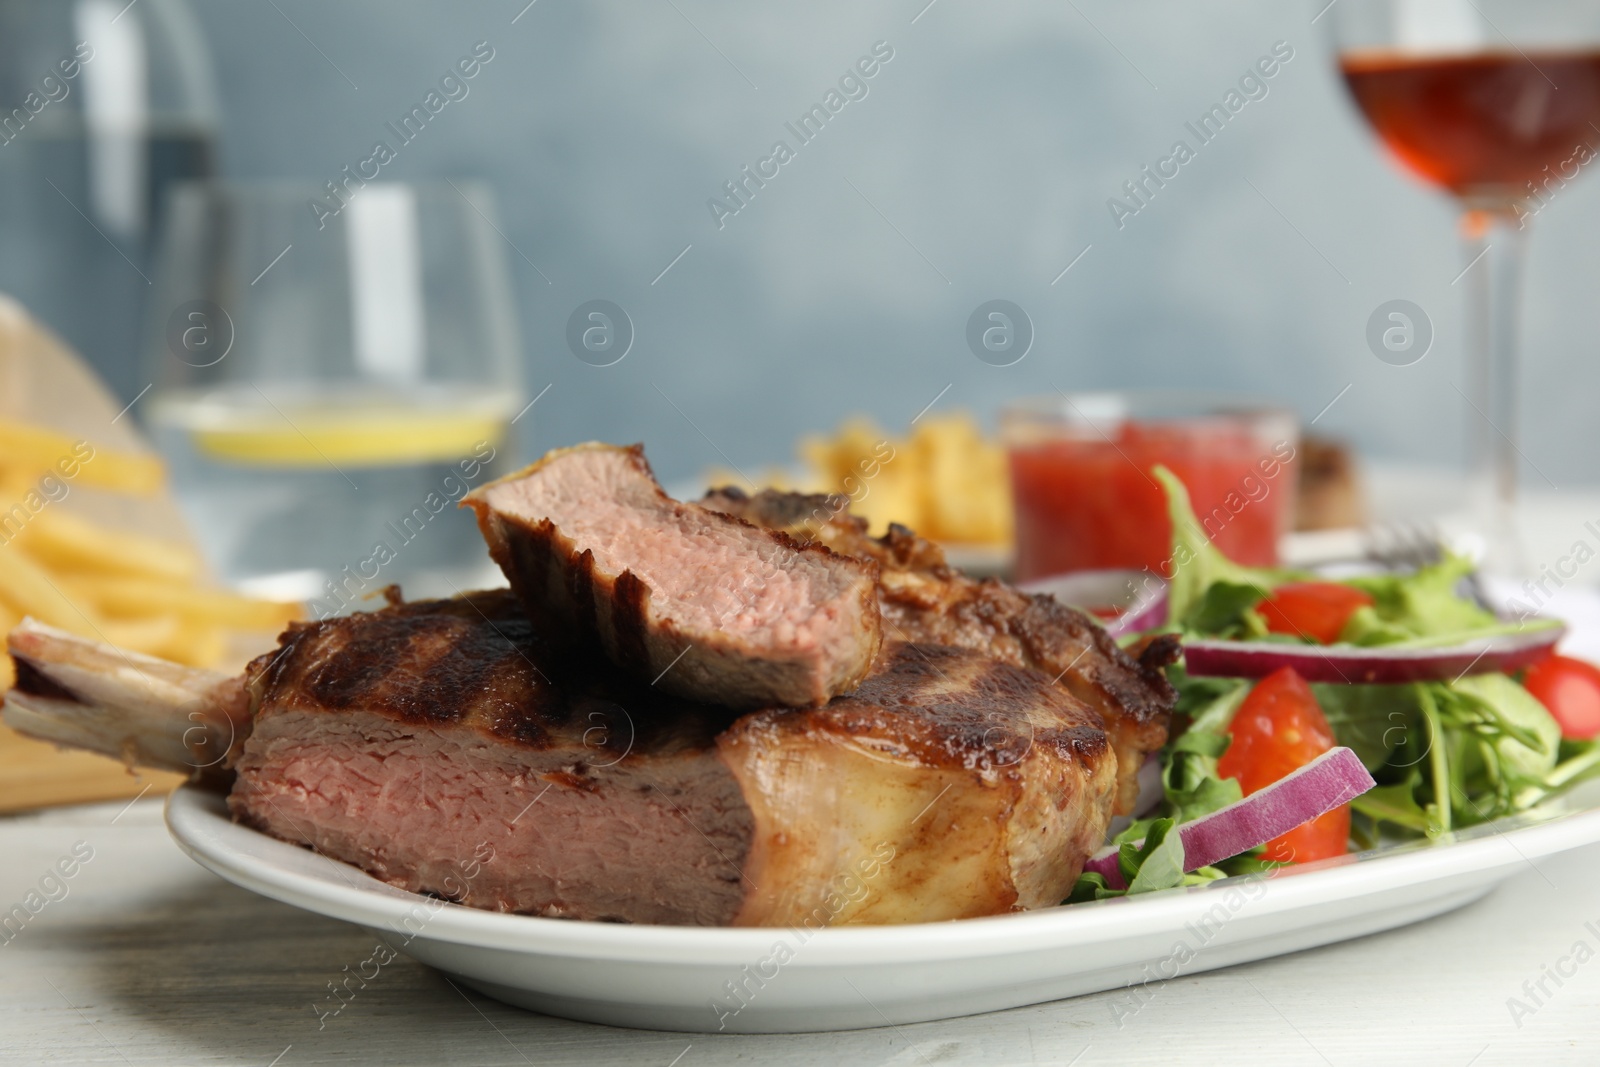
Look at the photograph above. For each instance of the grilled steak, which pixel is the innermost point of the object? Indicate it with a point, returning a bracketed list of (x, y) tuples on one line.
[(923, 599), (963, 786), (702, 604), (445, 748)]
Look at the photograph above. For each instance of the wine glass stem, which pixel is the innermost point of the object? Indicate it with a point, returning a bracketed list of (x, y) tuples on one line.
[(1495, 250)]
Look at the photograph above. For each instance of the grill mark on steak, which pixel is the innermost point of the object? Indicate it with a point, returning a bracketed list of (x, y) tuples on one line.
[(963, 713), (472, 661), (925, 600), (415, 666), (710, 607)]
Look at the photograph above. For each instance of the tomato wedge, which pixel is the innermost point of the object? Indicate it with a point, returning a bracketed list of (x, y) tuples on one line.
[(1278, 729), (1570, 690), (1317, 610)]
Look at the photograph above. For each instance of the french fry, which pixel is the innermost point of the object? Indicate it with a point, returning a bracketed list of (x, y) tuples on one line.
[(65, 541), (196, 645), (947, 482), (151, 635), (35, 451), (966, 482), (121, 598), (28, 589)]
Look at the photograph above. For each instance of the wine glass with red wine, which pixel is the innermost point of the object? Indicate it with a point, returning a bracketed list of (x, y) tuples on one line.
[(1497, 102)]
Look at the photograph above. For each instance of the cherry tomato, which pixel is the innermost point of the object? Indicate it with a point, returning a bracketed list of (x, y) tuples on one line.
[(1278, 729), (1570, 689), (1317, 610)]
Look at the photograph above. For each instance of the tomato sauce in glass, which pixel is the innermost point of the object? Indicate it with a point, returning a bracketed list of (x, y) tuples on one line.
[(1086, 501)]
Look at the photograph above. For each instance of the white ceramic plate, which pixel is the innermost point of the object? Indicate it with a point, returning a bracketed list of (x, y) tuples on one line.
[(681, 978)]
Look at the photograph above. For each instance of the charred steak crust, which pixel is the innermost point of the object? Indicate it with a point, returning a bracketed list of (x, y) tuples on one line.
[(924, 599), (649, 607)]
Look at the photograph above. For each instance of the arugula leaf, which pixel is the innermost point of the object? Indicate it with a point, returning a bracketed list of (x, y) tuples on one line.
[(1366, 626), (1519, 741), (1157, 863), (1197, 694), (1196, 563), (1225, 610), (1426, 602), (1371, 720), (1449, 754), (1092, 885), (1395, 804), (1422, 609)]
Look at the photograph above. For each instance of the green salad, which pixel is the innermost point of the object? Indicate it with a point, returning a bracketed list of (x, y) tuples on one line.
[(1460, 716)]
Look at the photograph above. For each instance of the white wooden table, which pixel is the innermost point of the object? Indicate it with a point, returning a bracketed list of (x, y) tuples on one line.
[(148, 959)]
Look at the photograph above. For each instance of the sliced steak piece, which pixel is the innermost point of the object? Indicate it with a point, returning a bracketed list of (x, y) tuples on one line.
[(924, 599), (439, 746), (429, 745), (948, 786), (702, 604)]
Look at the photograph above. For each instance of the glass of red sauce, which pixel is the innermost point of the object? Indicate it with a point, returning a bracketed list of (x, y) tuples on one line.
[(1085, 498)]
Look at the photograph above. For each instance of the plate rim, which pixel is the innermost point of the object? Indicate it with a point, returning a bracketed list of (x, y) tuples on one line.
[(196, 819)]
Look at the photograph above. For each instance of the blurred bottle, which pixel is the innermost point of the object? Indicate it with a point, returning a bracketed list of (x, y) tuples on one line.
[(103, 105)]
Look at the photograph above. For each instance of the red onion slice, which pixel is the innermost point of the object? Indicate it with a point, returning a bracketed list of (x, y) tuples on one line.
[(1205, 658), (1139, 596), (1336, 777)]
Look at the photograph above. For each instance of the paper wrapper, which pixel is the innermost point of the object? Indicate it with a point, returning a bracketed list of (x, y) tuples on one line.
[(44, 383)]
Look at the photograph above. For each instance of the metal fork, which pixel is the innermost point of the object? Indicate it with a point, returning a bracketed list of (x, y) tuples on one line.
[(1408, 546)]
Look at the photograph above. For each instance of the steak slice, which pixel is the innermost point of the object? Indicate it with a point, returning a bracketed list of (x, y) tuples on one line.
[(440, 747), (925, 600), (707, 606)]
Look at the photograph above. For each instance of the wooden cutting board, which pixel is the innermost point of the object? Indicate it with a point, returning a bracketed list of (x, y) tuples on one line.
[(34, 774)]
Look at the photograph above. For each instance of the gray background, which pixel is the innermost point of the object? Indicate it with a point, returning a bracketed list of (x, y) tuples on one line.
[(984, 155)]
